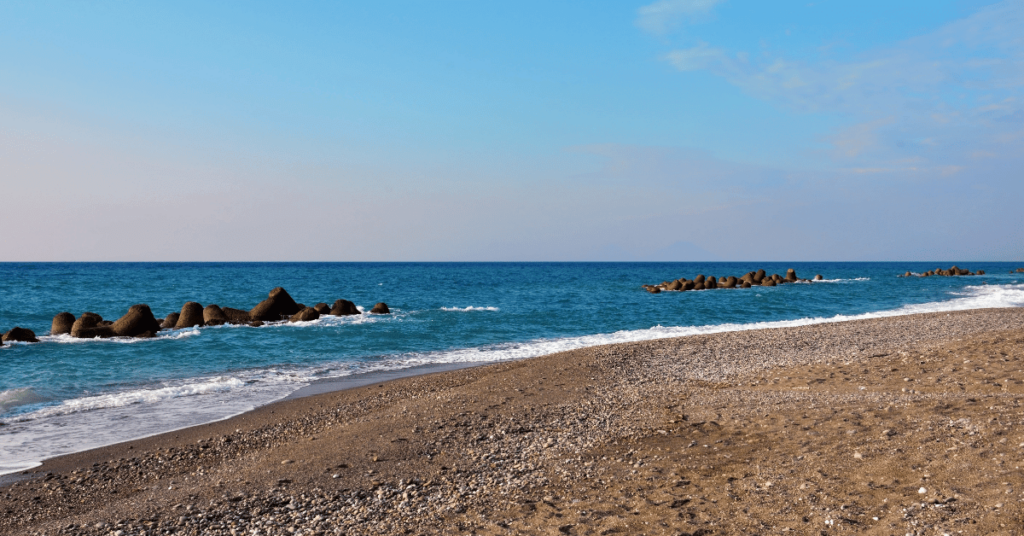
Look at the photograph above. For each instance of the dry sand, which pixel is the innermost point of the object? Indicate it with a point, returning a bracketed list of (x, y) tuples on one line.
[(905, 425)]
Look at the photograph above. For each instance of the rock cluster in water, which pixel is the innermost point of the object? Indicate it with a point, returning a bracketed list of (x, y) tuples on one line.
[(1017, 271), (750, 279), (140, 322), (953, 271)]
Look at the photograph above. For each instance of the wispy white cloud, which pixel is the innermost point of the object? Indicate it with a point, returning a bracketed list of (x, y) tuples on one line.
[(660, 17), (943, 93), (696, 58)]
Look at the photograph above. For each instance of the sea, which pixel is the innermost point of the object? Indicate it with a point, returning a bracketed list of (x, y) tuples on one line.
[(64, 395)]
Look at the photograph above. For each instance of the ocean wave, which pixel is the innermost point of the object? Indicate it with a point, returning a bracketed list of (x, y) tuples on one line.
[(468, 309), (137, 396), (22, 396), (852, 279)]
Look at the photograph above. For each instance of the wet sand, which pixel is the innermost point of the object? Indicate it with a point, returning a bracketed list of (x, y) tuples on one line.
[(900, 425)]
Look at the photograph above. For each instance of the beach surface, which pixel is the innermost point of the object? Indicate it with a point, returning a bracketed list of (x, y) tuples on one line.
[(902, 425)]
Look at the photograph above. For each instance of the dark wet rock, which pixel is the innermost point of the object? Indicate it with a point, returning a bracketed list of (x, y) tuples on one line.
[(17, 334), (711, 282), (381, 309), (87, 327), (345, 307), (322, 308), (214, 316), (256, 323), (191, 315), (236, 316), (689, 285), (301, 306), (278, 304), (92, 317), (698, 285), (699, 279), (791, 275), (818, 277), (768, 282), (759, 276), (170, 321), (675, 285), (138, 320), (62, 323), (981, 272), (746, 284), (305, 315)]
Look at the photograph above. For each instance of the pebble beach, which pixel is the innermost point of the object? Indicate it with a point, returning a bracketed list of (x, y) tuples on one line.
[(900, 425)]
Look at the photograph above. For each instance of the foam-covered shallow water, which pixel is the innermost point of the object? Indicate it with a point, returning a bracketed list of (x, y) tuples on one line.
[(64, 395)]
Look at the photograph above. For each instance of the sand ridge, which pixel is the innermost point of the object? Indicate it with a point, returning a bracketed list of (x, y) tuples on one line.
[(809, 429)]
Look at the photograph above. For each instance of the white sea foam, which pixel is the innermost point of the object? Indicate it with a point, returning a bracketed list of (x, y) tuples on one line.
[(853, 279), (469, 308), (137, 396), (161, 336)]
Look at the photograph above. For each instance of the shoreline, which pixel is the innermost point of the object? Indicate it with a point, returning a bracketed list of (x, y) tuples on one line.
[(543, 347), (445, 426)]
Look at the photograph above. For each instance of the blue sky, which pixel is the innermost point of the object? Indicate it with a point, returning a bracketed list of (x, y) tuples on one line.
[(672, 130)]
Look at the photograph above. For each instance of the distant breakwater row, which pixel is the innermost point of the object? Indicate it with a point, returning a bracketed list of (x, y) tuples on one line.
[(139, 321), (953, 271), (750, 279)]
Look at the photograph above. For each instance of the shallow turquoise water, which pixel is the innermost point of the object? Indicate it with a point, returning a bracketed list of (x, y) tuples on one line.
[(63, 395)]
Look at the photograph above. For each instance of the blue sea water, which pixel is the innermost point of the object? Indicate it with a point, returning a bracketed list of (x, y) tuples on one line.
[(64, 395)]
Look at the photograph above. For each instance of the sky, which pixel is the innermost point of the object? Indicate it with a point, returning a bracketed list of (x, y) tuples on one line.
[(678, 130)]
